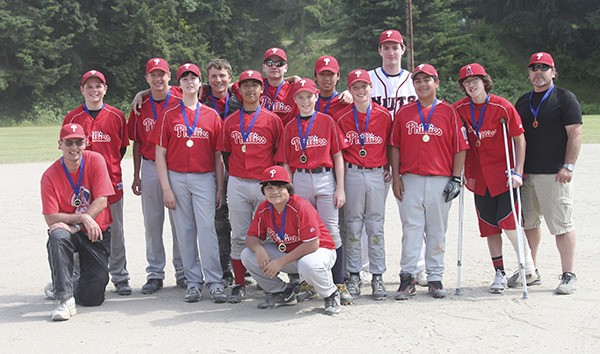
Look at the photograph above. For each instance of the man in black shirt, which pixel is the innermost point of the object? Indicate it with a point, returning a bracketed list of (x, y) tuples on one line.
[(552, 120)]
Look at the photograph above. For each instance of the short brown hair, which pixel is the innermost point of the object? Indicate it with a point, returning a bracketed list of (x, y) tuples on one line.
[(219, 64)]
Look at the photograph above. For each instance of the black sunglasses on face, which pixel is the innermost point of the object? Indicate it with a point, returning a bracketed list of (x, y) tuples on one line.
[(542, 67), (278, 63), (70, 142)]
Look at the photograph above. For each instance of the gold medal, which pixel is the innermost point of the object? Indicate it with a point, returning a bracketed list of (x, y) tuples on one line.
[(77, 202), (303, 158), (362, 152), (244, 148), (426, 138), (478, 143), (189, 143), (281, 247), (535, 123)]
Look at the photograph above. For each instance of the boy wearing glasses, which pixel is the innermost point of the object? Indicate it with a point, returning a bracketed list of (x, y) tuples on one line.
[(552, 122), (106, 133), (74, 193)]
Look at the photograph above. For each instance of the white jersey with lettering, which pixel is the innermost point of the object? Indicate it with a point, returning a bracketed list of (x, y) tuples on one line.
[(392, 91)]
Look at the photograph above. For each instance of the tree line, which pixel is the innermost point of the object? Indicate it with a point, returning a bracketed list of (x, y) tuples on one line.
[(48, 44)]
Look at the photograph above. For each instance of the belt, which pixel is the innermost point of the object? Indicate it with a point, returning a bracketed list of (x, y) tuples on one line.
[(314, 170), (358, 167), (147, 159)]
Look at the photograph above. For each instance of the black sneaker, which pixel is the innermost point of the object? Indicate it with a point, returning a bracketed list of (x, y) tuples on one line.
[(407, 287), (436, 289), (193, 294), (283, 298), (238, 293), (182, 283), (123, 288), (152, 286), (332, 303)]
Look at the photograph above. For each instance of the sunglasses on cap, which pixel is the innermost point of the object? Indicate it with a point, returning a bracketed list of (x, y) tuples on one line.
[(70, 142), (278, 63), (542, 67)]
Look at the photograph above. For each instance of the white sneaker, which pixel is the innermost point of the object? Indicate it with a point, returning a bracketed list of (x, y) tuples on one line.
[(65, 310), (499, 284), (422, 278), (49, 291)]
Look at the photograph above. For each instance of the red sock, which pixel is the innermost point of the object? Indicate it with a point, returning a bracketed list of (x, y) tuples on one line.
[(239, 272), (498, 263)]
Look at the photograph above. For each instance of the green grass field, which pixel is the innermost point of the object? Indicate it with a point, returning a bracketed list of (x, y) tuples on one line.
[(31, 144)]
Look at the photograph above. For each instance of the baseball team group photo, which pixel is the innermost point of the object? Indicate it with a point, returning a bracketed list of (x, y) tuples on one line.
[(238, 202)]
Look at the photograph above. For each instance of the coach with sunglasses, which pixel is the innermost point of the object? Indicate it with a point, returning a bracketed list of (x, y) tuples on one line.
[(276, 88), (74, 193), (552, 121)]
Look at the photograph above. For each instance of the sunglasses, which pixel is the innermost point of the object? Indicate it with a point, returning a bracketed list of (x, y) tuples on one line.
[(70, 142), (278, 63), (542, 67)]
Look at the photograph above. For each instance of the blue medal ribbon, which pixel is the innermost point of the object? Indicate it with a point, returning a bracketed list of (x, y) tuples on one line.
[(152, 102), (329, 100), (214, 102), (426, 124), (304, 139), (270, 107), (537, 110), (280, 232), (246, 133), (77, 187), (361, 135), (101, 108), (477, 125), (190, 130)]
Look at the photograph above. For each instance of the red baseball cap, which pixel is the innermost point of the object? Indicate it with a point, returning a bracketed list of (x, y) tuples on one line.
[(72, 131), (278, 52), (157, 64), (541, 58), (250, 75), (425, 68), (391, 36), (473, 69), (358, 75), (188, 67), (327, 62), (92, 73), (304, 85), (275, 174)]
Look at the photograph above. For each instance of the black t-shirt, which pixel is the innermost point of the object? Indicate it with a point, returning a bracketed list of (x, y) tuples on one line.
[(547, 144), (234, 103)]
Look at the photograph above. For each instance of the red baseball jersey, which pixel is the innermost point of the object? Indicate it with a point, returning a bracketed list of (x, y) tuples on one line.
[(171, 133), (376, 137), (485, 166), (140, 125), (446, 137), (281, 105), (58, 195), (260, 145), (302, 224), (325, 139), (107, 135)]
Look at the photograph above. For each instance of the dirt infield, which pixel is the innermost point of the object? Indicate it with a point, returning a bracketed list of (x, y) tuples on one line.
[(474, 322)]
